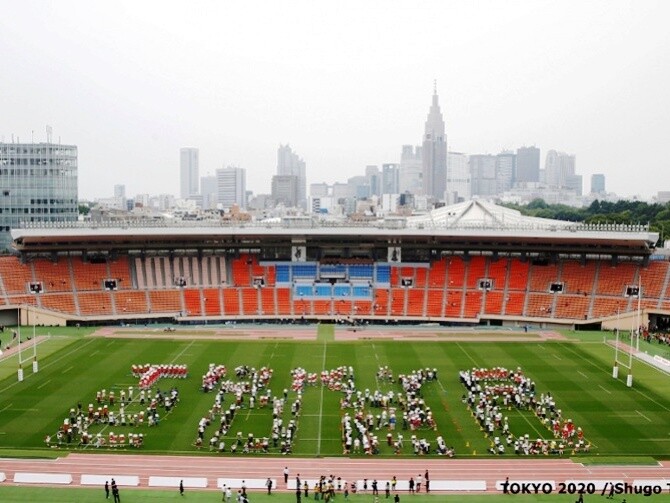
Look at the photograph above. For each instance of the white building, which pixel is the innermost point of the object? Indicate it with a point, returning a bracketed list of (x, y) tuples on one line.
[(458, 178), (231, 185), (189, 172)]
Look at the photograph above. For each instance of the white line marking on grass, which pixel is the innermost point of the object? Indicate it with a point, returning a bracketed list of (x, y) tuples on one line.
[(604, 389), (640, 413), (181, 353), (323, 366), (91, 341), (582, 374), (608, 372), (653, 439), (95, 352), (109, 344), (557, 357), (458, 344), (441, 387), (7, 407), (44, 384), (67, 369)]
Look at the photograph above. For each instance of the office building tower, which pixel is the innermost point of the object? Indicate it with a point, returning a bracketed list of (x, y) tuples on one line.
[(208, 191), (319, 190), (434, 151), (411, 170), (505, 168), (598, 184), (288, 163), (285, 190), (527, 165), (38, 183), (374, 180), (189, 172), (558, 167), (574, 182), (458, 178), (483, 175), (120, 191), (390, 178), (231, 185)]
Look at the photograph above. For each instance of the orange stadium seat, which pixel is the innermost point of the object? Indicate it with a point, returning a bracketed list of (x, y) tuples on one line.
[(363, 307), (476, 270), (165, 301), (415, 301), (435, 302), (514, 302), (398, 301), (578, 278), (437, 274), (15, 275), (612, 280), (322, 307), (609, 306), (541, 277), (210, 299), (192, 302), (268, 307), (473, 303), (453, 303), (653, 277), (61, 302), (497, 273), (54, 276), (381, 303), (88, 276), (283, 301), (231, 301), (518, 275), (493, 303), (95, 303), (130, 302), (540, 305), (574, 307), (455, 272), (119, 270), (250, 301)]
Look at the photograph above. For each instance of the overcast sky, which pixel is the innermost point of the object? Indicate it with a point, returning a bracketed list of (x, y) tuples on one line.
[(346, 83)]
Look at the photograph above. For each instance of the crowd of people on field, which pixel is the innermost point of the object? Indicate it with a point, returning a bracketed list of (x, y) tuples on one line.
[(491, 393)]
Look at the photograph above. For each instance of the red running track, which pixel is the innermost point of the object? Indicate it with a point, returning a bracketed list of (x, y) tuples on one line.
[(491, 470)]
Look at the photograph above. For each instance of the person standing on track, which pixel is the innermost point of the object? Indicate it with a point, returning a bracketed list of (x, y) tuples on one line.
[(286, 476), (106, 489), (268, 484), (426, 477), (181, 487)]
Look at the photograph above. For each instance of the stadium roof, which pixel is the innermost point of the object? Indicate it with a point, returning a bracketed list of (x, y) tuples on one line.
[(472, 226)]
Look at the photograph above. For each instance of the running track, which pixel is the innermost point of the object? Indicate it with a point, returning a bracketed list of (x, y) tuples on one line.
[(491, 470)]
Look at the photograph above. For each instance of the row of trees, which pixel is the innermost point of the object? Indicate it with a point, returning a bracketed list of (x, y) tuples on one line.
[(621, 212)]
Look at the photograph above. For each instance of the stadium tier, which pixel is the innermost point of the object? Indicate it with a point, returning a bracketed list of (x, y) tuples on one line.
[(470, 263), (453, 289)]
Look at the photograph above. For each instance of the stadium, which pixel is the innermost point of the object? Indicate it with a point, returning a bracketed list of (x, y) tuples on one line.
[(379, 336)]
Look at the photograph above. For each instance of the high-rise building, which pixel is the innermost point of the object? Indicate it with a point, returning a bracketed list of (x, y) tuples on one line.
[(598, 183), (410, 178), (38, 183), (390, 178), (120, 191), (231, 185), (288, 163), (189, 172), (505, 168), (374, 180), (483, 175), (434, 151), (458, 178), (208, 191), (527, 165), (285, 190), (558, 167)]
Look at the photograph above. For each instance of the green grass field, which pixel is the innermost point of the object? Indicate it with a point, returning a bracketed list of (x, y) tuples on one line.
[(617, 420)]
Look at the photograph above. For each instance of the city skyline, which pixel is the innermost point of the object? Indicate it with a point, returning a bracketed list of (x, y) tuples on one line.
[(139, 83)]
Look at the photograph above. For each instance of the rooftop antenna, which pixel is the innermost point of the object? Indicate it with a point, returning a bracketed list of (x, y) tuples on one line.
[(435, 86)]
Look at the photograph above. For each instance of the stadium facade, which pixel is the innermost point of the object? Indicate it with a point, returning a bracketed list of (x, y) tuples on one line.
[(471, 263)]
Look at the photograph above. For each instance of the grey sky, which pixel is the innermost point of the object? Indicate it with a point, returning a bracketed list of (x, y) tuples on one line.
[(345, 83)]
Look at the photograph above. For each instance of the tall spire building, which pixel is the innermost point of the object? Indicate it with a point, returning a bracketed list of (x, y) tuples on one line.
[(434, 152)]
